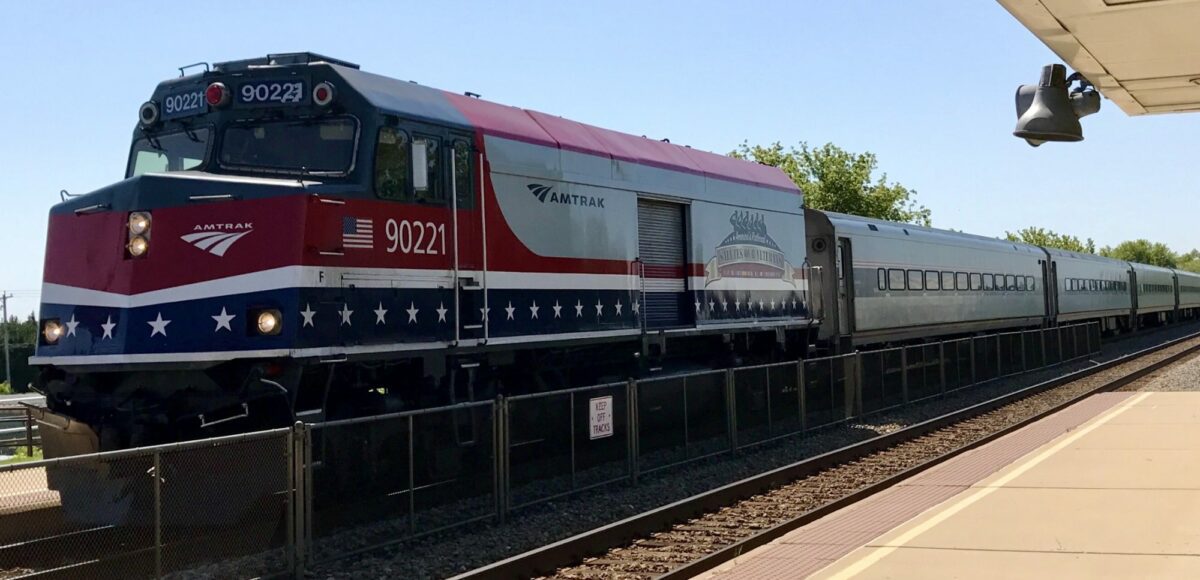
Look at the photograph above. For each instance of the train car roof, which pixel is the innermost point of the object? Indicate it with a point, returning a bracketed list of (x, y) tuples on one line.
[(893, 229), (1150, 268), (411, 99), (1086, 256)]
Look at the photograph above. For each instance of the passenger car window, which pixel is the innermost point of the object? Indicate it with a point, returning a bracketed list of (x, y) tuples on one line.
[(976, 282), (1010, 282), (915, 280), (1029, 283), (881, 279), (895, 279), (947, 280), (392, 164), (932, 280), (987, 282), (1021, 283), (960, 281)]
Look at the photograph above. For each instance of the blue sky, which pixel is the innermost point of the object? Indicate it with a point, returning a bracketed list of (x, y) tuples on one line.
[(927, 85)]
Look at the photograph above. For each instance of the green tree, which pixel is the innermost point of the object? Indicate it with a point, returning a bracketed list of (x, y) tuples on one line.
[(834, 179), (19, 332), (1144, 251), (1189, 261), (1048, 239)]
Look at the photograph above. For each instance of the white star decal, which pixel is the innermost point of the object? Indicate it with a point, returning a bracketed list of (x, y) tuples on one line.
[(618, 307), (483, 313), (772, 305), (637, 307), (158, 325), (72, 324), (381, 314), (557, 310), (441, 310), (412, 311), (793, 304), (108, 327), (578, 308), (724, 305), (711, 304), (599, 308), (509, 310), (346, 312), (697, 306), (761, 304), (223, 320), (533, 310), (737, 305), (308, 314)]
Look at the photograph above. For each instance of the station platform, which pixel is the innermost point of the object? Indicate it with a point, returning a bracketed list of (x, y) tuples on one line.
[(1107, 488)]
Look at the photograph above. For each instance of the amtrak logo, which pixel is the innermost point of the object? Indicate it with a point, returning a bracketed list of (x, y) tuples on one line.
[(749, 252), (547, 194), (216, 239)]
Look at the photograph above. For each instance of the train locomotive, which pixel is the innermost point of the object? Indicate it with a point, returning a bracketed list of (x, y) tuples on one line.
[(297, 239)]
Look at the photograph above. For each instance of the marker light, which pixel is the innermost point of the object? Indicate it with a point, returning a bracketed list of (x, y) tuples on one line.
[(269, 322), (148, 113), (216, 95), (137, 246), (52, 330), (323, 94), (139, 222)]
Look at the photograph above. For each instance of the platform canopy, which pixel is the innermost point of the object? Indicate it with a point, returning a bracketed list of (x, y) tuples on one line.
[(1144, 55)]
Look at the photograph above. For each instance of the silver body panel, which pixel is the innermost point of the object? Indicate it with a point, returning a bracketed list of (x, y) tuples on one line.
[(1155, 288), (1189, 289), (1091, 286)]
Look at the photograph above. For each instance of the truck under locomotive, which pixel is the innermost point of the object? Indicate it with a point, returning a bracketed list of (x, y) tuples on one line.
[(297, 238)]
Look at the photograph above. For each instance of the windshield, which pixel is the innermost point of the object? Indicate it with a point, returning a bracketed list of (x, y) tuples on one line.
[(171, 152), (309, 146)]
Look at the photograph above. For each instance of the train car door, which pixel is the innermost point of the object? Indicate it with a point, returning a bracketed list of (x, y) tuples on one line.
[(1049, 285), (845, 287), (469, 259), (663, 257)]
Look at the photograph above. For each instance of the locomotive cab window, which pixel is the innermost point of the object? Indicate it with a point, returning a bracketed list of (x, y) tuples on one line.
[(393, 164), (171, 152), (301, 146), (464, 174), (427, 183)]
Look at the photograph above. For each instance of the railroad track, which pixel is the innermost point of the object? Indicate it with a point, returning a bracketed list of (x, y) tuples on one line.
[(698, 533)]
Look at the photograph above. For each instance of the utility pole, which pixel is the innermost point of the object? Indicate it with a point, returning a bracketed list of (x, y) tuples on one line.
[(4, 296)]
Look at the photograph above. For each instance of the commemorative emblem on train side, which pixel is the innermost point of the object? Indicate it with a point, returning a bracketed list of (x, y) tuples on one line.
[(750, 252)]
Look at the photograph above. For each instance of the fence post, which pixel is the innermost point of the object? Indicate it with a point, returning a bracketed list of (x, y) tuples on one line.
[(999, 358), (942, 365), (572, 412), (801, 395), (500, 469), (289, 458), (731, 409), (1058, 332), (632, 428), (1024, 361), (29, 431), (157, 513), (974, 377), (854, 404), (904, 374), (412, 481), (1042, 341), (300, 516)]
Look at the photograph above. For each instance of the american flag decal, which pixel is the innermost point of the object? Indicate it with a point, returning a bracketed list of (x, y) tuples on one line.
[(358, 233)]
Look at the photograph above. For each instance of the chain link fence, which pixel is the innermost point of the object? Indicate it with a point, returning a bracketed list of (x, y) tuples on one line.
[(276, 502)]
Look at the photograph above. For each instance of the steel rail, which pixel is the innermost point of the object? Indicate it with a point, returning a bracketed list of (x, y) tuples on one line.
[(569, 551)]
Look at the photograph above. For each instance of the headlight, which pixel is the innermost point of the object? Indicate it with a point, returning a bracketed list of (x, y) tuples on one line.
[(52, 330), (139, 223), (269, 322), (138, 246)]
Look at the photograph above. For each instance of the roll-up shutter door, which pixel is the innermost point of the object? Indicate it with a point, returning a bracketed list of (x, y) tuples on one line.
[(661, 248)]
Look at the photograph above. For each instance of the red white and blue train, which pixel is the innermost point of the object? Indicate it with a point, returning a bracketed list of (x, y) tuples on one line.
[(298, 239)]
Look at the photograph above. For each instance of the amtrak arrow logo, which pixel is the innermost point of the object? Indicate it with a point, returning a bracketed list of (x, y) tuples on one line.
[(216, 239)]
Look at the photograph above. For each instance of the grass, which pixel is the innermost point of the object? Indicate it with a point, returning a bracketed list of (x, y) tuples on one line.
[(5, 388), (22, 456)]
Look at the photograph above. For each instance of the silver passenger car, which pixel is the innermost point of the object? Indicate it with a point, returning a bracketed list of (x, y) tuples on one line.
[(897, 282), (1155, 292), (1189, 293), (1091, 287)]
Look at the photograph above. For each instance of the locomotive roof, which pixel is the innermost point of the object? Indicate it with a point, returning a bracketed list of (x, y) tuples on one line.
[(411, 99)]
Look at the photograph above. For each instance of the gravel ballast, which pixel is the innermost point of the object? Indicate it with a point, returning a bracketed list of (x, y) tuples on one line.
[(466, 548)]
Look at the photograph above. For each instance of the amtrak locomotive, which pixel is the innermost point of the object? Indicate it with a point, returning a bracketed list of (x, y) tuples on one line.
[(298, 239)]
